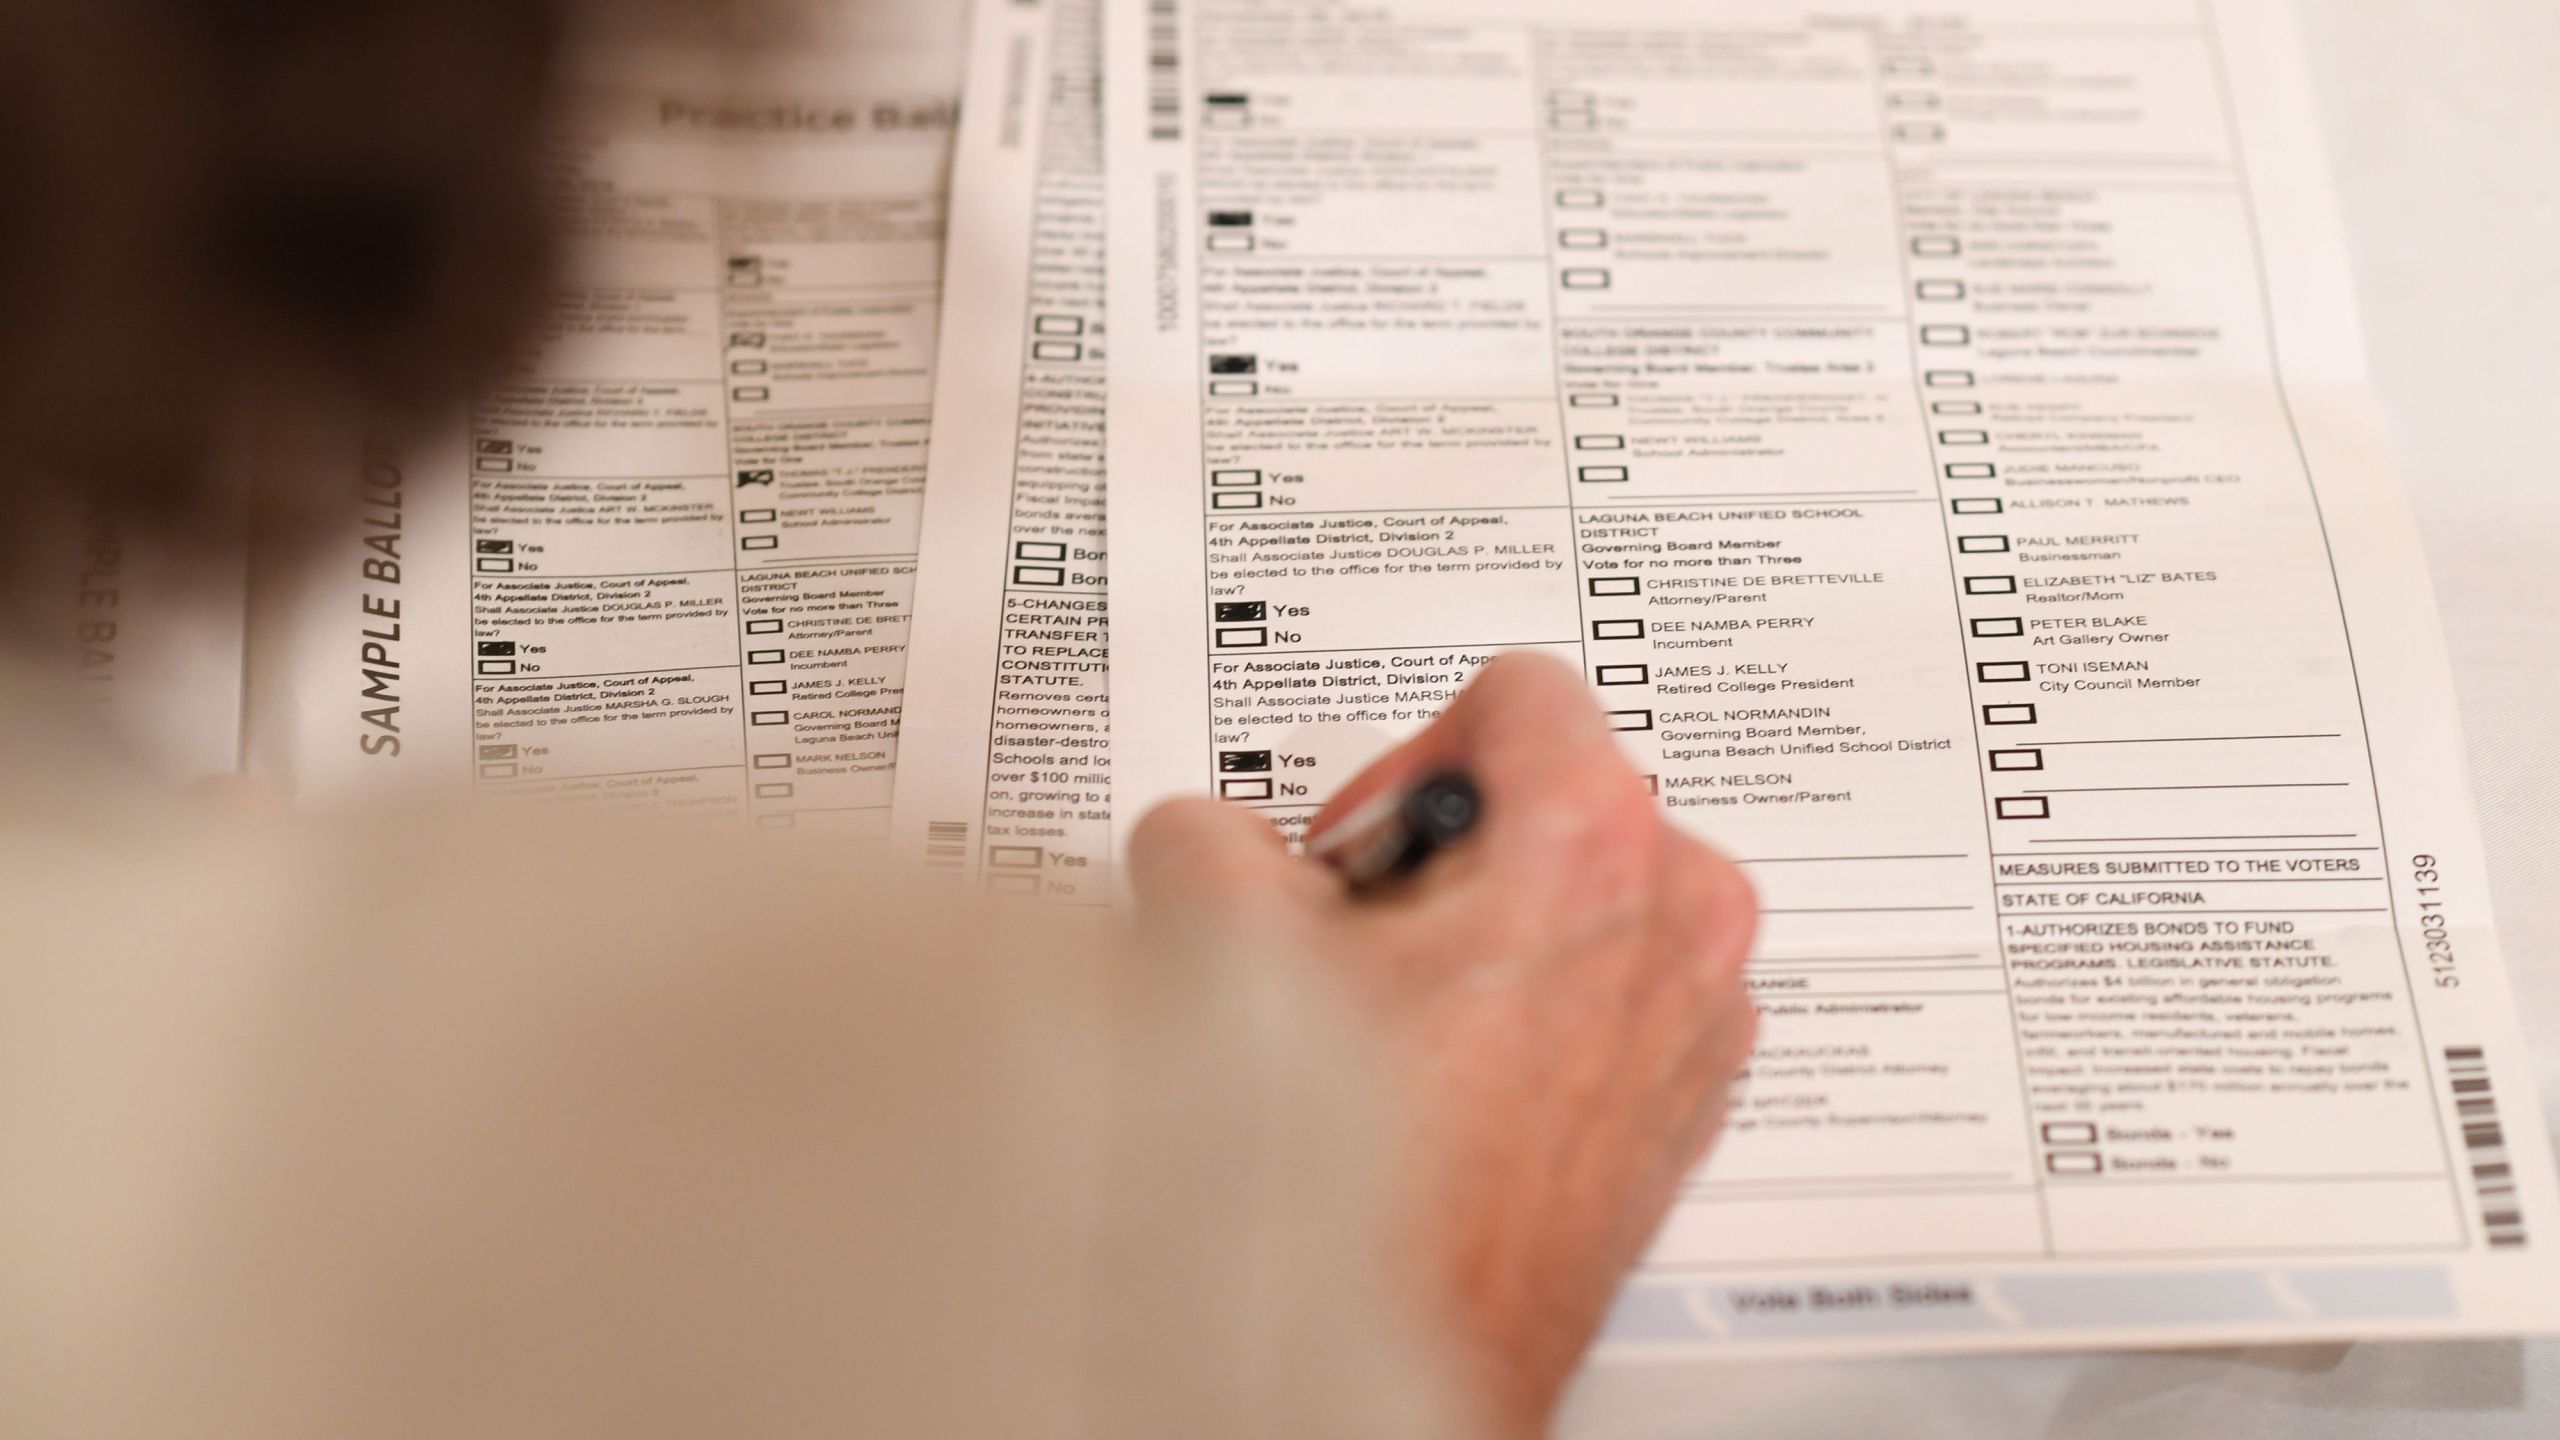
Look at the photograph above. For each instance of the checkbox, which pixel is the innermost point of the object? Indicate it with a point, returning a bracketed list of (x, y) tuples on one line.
[(497, 667), (2001, 672), (1245, 789), (768, 687), (1982, 544), (2017, 759), (1057, 325), (1244, 762), (1939, 290), (1947, 379), (1972, 470), (773, 762), (756, 517), (1624, 675), (1231, 478), (1016, 857), (494, 465), (764, 627), (1602, 474), (1229, 242), (1909, 65), (1039, 575), (778, 822), (2073, 1162), (1050, 550), (1243, 637), (1920, 132), (751, 394), (1976, 505), (1057, 350), (1955, 407), (761, 542), (1580, 199), (1964, 437), (1586, 279), (2022, 807), (499, 752), (746, 339), (1242, 612), (1936, 247), (1999, 627), (764, 657), (768, 717), (1630, 719), (1617, 629), (1012, 882), (2008, 714), (774, 790), (1235, 389), (1912, 100), (1606, 586), (1573, 121), (2070, 1132), (1235, 500), (1946, 335), (494, 565), (498, 772), (1991, 584), (748, 367), (1599, 442), (1589, 400), (1582, 239)]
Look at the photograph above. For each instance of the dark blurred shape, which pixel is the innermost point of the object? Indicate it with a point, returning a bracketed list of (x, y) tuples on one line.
[(214, 204)]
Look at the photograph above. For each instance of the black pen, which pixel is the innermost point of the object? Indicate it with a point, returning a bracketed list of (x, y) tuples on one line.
[(1395, 835)]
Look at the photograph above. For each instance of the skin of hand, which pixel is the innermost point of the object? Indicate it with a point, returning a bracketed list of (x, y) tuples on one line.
[(1559, 996)]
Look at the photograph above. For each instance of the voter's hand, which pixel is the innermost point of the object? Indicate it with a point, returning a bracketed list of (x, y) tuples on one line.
[(1561, 993)]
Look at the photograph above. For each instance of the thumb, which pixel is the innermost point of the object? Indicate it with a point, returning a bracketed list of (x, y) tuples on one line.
[(1197, 855)]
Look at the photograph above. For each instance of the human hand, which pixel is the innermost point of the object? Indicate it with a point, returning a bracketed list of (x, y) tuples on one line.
[(1560, 994)]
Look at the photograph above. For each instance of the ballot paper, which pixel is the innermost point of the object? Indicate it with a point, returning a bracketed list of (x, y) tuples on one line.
[(1005, 780), (666, 565), (1938, 434)]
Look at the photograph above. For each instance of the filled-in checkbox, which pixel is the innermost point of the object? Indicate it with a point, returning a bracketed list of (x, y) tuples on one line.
[(1245, 788), (1617, 629), (1976, 505), (1039, 575), (1602, 474), (1999, 627), (1624, 675), (1608, 586), (2017, 759), (1991, 584), (2001, 672), (1630, 719), (2008, 714), (1243, 637)]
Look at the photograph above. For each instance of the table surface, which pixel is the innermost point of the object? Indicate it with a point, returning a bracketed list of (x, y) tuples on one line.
[(2440, 118)]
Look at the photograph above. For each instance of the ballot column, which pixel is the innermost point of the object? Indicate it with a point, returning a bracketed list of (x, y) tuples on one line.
[(1767, 619), (1375, 379), (2210, 982)]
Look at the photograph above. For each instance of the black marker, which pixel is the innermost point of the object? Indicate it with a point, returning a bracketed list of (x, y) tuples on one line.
[(1393, 836)]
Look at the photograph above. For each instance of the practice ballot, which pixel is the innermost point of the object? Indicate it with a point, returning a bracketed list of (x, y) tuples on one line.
[(1938, 433)]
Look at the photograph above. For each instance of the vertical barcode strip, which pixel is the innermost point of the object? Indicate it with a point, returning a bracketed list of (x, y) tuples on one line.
[(1164, 69), (946, 843), (2484, 1143)]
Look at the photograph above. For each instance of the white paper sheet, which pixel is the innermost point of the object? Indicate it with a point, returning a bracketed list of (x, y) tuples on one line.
[(1939, 434), (1005, 779), (667, 566)]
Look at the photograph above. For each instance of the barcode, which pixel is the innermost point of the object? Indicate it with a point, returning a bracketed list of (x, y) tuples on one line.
[(2484, 1142), (946, 843), (1164, 69)]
